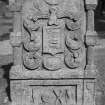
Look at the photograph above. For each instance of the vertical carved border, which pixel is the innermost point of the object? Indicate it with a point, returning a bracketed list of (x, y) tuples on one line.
[(90, 38), (15, 37), (89, 92)]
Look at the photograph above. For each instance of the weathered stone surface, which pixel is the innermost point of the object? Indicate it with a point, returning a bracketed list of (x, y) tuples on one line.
[(46, 29), (63, 92), (52, 39), (49, 52)]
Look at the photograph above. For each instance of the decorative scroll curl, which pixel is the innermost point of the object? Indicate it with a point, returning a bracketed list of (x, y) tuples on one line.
[(76, 51), (31, 60), (31, 44), (32, 41)]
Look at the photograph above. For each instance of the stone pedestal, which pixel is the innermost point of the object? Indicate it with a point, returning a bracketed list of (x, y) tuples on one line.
[(50, 54)]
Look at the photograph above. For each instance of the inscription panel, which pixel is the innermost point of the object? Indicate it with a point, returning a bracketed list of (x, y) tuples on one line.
[(54, 95), (46, 93)]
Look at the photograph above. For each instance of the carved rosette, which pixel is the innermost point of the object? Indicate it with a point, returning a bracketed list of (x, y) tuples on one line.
[(52, 36)]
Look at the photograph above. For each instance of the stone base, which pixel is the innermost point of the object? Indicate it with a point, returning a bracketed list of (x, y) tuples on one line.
[(52, 92)]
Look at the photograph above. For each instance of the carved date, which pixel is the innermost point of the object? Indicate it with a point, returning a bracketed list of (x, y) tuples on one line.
[(57, 97)]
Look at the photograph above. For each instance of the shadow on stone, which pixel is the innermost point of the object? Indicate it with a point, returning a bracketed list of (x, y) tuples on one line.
[(6, 69)]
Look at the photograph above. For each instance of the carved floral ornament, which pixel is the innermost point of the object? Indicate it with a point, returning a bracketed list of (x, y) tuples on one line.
[(52, 35)]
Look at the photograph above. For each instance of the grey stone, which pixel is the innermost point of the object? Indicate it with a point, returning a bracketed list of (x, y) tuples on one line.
[(51, 45)]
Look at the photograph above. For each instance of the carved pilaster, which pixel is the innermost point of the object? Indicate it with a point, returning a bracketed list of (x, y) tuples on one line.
[(15, 37), (90, 37)]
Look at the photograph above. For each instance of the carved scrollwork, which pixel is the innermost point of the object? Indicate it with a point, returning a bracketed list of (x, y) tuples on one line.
[(52, 63), (75, 54), (53, 2), (31, 46), (72, 25), (73, 42), (74, 59), (69, 15), (32, 40), (52, 29), (30, 25), (31, 60)]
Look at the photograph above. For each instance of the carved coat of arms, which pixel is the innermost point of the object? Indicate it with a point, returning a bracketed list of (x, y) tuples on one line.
[(52, 35)]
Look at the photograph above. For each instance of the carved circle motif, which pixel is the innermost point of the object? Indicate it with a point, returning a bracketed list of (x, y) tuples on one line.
[(31, 61), (73, 44), (74, 57), (71, 62), (52, 63)]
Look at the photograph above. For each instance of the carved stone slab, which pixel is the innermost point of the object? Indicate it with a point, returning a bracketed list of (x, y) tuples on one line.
[(47, 92), (51, 39), (50, 54)]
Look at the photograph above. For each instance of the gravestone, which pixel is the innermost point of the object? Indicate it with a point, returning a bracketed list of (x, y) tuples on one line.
[(53, 49)]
